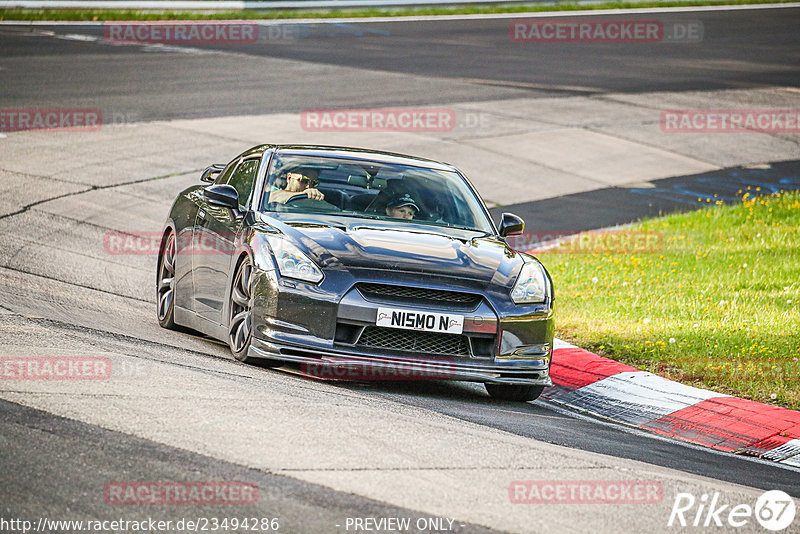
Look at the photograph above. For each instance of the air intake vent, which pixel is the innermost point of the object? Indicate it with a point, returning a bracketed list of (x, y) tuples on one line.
[(410, 341), (418, 295)]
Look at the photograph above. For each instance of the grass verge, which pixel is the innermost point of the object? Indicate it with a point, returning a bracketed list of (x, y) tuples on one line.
[(127, 14), (712, 301)]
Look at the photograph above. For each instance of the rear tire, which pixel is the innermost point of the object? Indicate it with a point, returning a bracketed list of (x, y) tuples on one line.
[(513, 392)]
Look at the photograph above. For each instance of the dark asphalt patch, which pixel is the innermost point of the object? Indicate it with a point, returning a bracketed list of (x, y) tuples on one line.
[(612, 206), (58, 468)]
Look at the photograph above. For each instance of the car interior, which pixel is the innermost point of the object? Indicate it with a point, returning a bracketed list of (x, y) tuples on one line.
[(367, 189)]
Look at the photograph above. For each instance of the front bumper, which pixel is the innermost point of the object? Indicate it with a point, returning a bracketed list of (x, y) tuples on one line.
[(322, 328), (341, 364)]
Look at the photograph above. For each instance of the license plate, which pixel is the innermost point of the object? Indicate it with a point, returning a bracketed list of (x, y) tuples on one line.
[(421, 321)]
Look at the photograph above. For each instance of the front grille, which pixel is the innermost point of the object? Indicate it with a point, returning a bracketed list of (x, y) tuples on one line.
[(410, 341), (418, 295)]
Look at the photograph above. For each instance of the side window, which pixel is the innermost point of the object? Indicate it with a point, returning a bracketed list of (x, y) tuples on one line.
[(243, 178), (222, 178)]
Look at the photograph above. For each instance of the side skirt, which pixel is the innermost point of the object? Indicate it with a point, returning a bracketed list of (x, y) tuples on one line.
[(191, 320)]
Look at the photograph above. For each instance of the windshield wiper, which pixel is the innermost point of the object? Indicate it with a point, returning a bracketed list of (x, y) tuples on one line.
[(361, 216), (484, 232)]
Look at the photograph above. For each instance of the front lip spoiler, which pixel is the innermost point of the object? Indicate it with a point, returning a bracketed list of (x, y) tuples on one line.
[(389, 368)]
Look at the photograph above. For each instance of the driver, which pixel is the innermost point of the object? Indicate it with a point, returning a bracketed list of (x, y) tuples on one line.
[(298, 181)]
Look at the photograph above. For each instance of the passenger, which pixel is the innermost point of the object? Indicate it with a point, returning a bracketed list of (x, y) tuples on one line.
[(402, 207), (298, 181)]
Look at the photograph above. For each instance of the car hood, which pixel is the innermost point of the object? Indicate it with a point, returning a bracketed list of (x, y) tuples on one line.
[(457, 253)]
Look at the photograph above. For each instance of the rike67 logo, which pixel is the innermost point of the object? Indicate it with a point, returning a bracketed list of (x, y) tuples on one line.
[(774, 510)]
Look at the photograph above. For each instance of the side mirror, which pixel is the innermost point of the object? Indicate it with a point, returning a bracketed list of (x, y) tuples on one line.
[(210, 173), (511, 225), (222, 195)]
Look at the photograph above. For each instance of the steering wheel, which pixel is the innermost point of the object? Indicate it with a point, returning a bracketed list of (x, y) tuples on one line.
[(302, 201), (298, 196)]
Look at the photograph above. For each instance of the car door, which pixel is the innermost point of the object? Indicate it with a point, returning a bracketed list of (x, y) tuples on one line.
[(216, 229)]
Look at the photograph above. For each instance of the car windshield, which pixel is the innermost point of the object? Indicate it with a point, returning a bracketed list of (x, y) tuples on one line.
[(372, 190)]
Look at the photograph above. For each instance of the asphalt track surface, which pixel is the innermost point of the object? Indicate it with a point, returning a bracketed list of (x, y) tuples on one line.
[(70, 459), (473, 60)]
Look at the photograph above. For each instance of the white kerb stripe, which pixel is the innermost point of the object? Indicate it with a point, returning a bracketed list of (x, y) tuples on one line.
[(635, 397), (558, 344), (793, 461), (786, 451)]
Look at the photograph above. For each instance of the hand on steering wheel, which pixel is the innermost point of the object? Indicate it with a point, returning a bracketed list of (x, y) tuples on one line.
[(311, 193)]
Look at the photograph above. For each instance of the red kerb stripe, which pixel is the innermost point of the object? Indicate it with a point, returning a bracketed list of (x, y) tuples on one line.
[(728, 423), (575, 368)]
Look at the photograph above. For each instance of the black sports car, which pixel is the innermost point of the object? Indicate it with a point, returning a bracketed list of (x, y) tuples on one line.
[(357, 264)]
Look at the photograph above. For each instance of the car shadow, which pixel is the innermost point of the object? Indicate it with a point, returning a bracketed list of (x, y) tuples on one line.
[(425, 392)]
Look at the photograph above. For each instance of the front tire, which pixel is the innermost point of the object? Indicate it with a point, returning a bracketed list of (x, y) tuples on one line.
[(240, 316), (165, 285), (240, 312), (513, 392)]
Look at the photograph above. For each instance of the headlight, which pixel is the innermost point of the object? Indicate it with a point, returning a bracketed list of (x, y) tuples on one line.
[(292, 263), (531, 285)]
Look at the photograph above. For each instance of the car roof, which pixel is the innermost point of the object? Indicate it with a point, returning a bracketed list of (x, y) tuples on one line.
[(363, 154)]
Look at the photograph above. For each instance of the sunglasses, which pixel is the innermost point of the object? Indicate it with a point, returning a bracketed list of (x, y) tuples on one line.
[(312, 182)]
